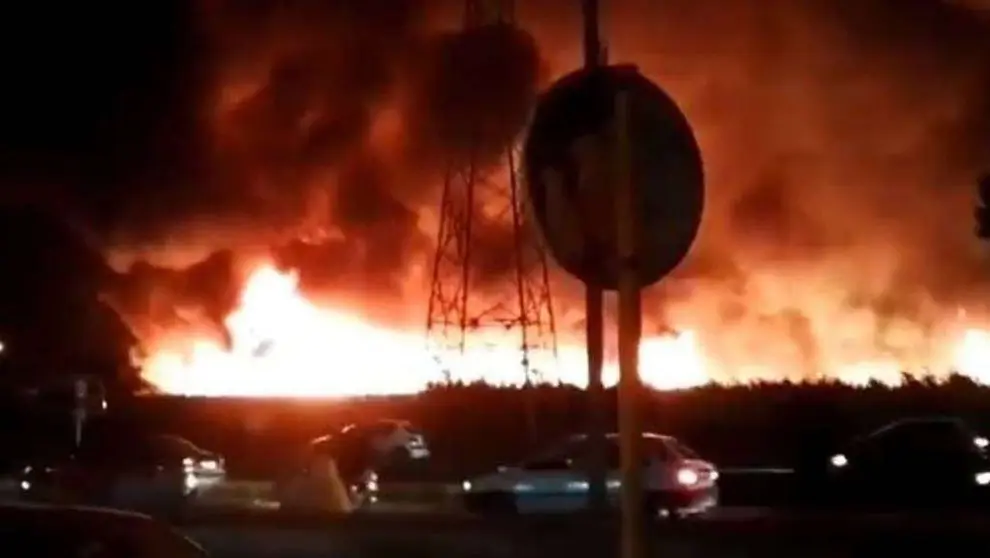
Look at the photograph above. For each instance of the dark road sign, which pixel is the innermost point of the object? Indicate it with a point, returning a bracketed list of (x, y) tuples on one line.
[(568, 160)]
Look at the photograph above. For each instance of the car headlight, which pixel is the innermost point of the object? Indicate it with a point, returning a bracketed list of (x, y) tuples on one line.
[(982, 478), (838, 460), (981, 442), (687, 477), (190, 482), (466, 486)]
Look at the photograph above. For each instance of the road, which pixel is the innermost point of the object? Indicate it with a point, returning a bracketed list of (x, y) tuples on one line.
[(240, 523), (733, 532), (404, 526), (407, 530)]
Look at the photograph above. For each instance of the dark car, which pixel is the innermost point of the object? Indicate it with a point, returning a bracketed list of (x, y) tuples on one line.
[(153, 473), (930, 461), (43, 531)]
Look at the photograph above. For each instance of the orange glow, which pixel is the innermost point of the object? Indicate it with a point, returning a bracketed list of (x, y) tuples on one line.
[(284, 345)]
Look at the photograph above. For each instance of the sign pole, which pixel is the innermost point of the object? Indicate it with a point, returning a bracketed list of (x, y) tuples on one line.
[(630, 322), (79, 410), (570, 183), (594, 317), (592, 38), (594, 330)]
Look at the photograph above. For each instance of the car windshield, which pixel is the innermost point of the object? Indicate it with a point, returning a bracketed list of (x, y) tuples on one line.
[(682, 449), (918, 436), (556, 456), (179, 445)]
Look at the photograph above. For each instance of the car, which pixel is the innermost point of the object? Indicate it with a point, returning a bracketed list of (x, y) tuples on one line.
[(43, 530), (922, 461), (677, 482), (154, 473), (359, 452)]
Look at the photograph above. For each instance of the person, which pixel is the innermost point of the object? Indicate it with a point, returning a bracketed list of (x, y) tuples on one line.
[(320, 488)]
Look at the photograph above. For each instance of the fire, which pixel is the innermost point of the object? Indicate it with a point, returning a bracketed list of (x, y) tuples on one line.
[(281, 344)]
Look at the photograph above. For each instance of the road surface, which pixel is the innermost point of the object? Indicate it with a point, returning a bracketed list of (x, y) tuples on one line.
[(735, 532)]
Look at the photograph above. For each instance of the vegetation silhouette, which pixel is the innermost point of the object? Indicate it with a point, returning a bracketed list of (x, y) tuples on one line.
[(473, 427)]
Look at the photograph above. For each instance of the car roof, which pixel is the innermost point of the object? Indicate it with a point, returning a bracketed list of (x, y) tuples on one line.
[(940, 420), (72, 517), (614, 435), (320, 439), (397, 423), (929, 420)]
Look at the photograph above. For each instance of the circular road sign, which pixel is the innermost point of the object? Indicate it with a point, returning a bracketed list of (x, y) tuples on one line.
[(568, 160)]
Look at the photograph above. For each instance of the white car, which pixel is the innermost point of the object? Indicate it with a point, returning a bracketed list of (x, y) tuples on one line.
[(676, 480)]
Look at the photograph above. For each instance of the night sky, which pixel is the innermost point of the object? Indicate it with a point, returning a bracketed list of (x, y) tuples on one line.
[(93, 105)]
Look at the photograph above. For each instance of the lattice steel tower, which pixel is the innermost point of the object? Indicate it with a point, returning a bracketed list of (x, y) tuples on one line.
[(457, 313)]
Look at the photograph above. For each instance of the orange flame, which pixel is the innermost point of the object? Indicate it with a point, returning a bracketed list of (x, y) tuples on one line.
[(284, 345)]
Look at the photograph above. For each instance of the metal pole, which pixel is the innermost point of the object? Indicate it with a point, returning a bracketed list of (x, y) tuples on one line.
[(592, 39), (594, 329), (630, 321), (80, 393), (594, 318)]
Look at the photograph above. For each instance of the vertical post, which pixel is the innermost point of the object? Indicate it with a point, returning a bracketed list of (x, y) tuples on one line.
[(594, 330), (594, 317), (630, 321), (79, 410), (529, 389), (592, 39)]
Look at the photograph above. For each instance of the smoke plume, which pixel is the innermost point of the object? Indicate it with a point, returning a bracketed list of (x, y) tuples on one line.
[(328, 129), (841, 143)]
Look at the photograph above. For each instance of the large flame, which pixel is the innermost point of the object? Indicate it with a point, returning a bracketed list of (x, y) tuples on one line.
[(282, 344)]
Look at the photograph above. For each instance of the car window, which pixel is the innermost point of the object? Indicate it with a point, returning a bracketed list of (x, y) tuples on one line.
[(653, 449), (561, 456), (656, 449), (911, 439), (684, 450), (175, 446)]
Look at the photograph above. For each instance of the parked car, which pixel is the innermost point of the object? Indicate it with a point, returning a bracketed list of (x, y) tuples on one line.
[(677, 481), (43, 531), (359, 453), (926, 461), (153, 473)]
